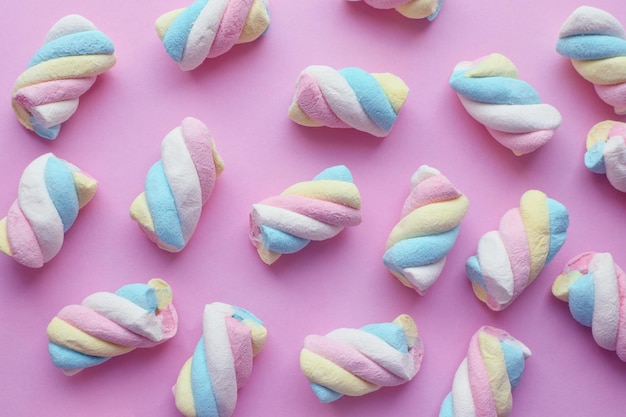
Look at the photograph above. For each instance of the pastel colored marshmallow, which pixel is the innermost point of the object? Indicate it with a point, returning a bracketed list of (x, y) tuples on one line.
[(221, 363), (107, 324), (594, 286), (595, 42), (509, 259), (413, 9), (484, 382), (606, 152), (50, 194), (348, 98), (312, 210), (430, 221), (207, 29), (355, 362), (178, 185), (492, 93), (75, 52)]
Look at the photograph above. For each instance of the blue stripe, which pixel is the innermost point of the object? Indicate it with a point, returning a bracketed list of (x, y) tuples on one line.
[(325, 395), (559, 222), (447, 407), (90, 42), (434, 14), (45, 132), (494, 90), (337, 173), (201, 384), (581, 299), (392, 333), (594, 159), (281, 242), (419, 251), (141, 294), (473, 271), (62, 191), (515, 362), (591, 47), (175, 39), (68, 359), (242, 314), (162, 207)]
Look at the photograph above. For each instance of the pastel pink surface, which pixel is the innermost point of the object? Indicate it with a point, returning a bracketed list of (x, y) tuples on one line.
[(243, 97)]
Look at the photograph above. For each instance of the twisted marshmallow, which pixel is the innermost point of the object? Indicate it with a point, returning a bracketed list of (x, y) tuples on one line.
[(349, 97), (606, 152), (595, 288), (221, 363), (483, 382), (178, 186), (431, 217), (509, 259), (356, 362), (111, 324), (413, 9), (492, 93), (47, 93), (207, 29), (306, 211), (51, 192), (595, 42)]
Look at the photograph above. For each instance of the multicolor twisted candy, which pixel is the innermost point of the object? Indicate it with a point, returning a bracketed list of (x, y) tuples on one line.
[(431, 217), (221, 363), (47, 93), (306, 211), (509, 259), (207, 29), (356, 362), (595, 288), (413, 9), (51, 192), (595, 41), (492, 93), (111, 324), (483, 382), (349, 97), (178, 185), (606, 152)]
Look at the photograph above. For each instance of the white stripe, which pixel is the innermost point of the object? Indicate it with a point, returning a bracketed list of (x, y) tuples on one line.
[(52, 114), (496, 267), (615, 162), (202, 34), (422, 277), (462, 400), (293, 223), (606, 305)]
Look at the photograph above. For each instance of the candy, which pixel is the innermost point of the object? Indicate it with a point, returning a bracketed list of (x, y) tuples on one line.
[(207, 29), (484, 381), (417, 246), (492, 93), (51, 192), (509, 259), (178, 186), (111, 324), (46, 94), (413, 9), (595, 42), (349, 97), (595, 288), (356, 362), (606, 152), (221, 363)]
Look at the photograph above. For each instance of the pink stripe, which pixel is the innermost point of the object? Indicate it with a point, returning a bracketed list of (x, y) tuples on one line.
[(513, 235), (24, 243), (320, 210), (169, 322), (479, 380), (618, 128), (53, 91), (615, 95), (241, 346), (198, 141), (386, 4), (522, 143), (432, 190), (580, 263), (621, 331), (312, 102), (231, 26)]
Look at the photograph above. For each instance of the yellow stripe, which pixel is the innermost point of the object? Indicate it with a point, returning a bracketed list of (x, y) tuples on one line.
[(66, 335), (299, 116), (340, 192), (164, 22), (86, 187), (258, 20), (5, 246), (495, 65), (562, 284), (394, 88), (493, 358), (599, 133), (536, 220), (140, 213), (417, 9), (606, 71), (183, 392)]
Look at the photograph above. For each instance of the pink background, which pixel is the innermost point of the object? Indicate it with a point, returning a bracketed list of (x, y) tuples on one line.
[(243, 97)]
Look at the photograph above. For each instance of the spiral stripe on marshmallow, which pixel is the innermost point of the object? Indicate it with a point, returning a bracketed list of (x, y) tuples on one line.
[(312, 210), (178, 186), (46, 94), (595, 288), (606, 152), (221, 363), (431, 217), (484, 381), (51, 192), (413, 9), (492, 93), (207, 29), (111, 324), (595, 42), (356, 362), (350, 97), (509, 259)]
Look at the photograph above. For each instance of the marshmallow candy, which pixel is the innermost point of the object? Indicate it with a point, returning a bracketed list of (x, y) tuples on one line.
[(46, 94), (492, 93), (509, 259), (606, 152), (413, 9), (356, 362), (483, 382), (207, 29), (51, 191), (221, 363), (312, 210), (417, 246), (595, 288), (595, 42), (111, 324), (178, 185), (349, 97)]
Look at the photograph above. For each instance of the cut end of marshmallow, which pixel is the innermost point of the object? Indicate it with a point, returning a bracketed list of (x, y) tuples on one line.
[(5, 246), (257, 22), (162, 292)]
